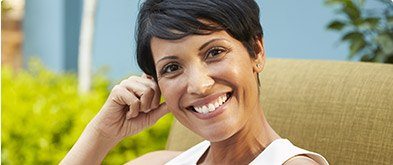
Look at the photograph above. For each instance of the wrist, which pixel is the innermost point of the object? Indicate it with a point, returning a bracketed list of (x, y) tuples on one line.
[(91, 147), (104, 138)]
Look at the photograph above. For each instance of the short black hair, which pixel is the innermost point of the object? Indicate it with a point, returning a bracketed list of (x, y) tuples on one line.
[(175, 19)]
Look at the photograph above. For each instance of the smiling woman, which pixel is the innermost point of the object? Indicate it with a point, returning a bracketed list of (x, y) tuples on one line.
[(204, 57), (210, 67)]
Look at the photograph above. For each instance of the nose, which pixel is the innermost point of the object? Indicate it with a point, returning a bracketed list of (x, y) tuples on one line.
[(199, 81)]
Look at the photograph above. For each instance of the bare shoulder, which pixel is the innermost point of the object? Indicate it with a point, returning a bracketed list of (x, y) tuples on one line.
[(301, 160), (156, 157)]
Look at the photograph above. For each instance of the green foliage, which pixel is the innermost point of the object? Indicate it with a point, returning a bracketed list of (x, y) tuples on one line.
[(369, 32), (43, 115)]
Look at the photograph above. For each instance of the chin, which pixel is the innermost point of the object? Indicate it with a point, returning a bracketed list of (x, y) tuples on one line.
[(220, 131)]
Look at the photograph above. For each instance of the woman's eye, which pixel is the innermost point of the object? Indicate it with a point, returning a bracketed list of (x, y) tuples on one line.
[(170, 68), (214, 52)]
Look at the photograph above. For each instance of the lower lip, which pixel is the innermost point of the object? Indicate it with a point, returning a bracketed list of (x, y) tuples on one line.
[(213, 114)]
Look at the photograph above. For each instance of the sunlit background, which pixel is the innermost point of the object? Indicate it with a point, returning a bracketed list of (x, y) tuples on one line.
[(43, 113)]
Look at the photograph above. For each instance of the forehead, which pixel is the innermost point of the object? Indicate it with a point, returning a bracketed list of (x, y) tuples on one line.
[(162, 47)]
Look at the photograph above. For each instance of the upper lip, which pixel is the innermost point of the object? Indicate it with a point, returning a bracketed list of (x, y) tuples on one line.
[(205, 100)]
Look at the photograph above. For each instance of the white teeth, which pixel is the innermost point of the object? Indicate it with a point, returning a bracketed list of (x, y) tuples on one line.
[(220, 101), (216, 104), (198, 109), (211, 106), (205, 109)]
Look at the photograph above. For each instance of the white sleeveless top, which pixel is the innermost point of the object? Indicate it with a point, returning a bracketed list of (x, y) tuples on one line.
[(276, 153)]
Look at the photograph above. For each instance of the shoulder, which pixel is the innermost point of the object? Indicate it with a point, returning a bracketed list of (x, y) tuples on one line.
[(301, 159), (156, 157)]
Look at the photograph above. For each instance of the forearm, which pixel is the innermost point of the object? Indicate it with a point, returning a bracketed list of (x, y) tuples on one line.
[(91, 148)]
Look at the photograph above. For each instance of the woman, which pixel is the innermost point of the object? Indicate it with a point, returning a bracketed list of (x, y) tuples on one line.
[(204, 57)]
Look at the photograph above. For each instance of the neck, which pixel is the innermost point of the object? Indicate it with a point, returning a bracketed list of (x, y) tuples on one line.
[(245, 145)]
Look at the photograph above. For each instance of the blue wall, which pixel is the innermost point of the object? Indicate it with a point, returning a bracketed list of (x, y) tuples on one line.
[(114, 45), (297, 29), (73, 13), (293, 29), (51, 32), (43, 32)]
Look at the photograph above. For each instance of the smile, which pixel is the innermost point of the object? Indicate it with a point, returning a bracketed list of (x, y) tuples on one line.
[(212, 106)]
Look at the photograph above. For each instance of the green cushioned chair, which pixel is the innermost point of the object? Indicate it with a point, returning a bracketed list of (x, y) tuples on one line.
[(342, 110)]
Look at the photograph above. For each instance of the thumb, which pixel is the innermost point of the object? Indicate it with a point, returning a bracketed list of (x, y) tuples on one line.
[(158, 112)]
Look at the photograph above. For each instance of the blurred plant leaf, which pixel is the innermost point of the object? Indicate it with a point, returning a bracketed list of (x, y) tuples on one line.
[(389, 19), (386, 42), (352, 11), (352, 36), (365, 58), (334, 2), (368, 31), (356, 46), (336, 25), (371, 21)]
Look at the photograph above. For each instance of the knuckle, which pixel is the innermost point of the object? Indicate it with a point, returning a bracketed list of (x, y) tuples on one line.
[(154, 86), (135, 102), (123, 82), (133, 78), (149, 90), (144, 90), (116, 88)]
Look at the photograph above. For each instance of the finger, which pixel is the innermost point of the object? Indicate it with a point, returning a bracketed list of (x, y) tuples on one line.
[(145, 81), (157, 113), (134, 109), (146, 99), (134, 86), (153, 85), (144, 75), (124, 97), (156, 100), (157, 95), (146, 89), (141, 90)]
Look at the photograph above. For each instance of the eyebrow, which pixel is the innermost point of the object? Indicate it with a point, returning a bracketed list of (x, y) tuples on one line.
[(200, 48), (167, 58), (209, 42)]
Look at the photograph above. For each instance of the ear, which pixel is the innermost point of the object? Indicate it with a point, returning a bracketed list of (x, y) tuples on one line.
[(259, 60)]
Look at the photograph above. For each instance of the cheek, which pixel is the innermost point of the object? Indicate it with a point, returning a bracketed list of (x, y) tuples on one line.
[(237, 72), (236, 69), (171, 92)]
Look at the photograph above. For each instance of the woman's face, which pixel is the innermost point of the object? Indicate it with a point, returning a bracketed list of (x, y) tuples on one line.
[(208, 81)]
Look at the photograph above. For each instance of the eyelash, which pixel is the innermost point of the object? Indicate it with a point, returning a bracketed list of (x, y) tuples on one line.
[(167, 66), (220, 51)]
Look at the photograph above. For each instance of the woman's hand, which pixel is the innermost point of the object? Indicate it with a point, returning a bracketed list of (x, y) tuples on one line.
[(132, 105)]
